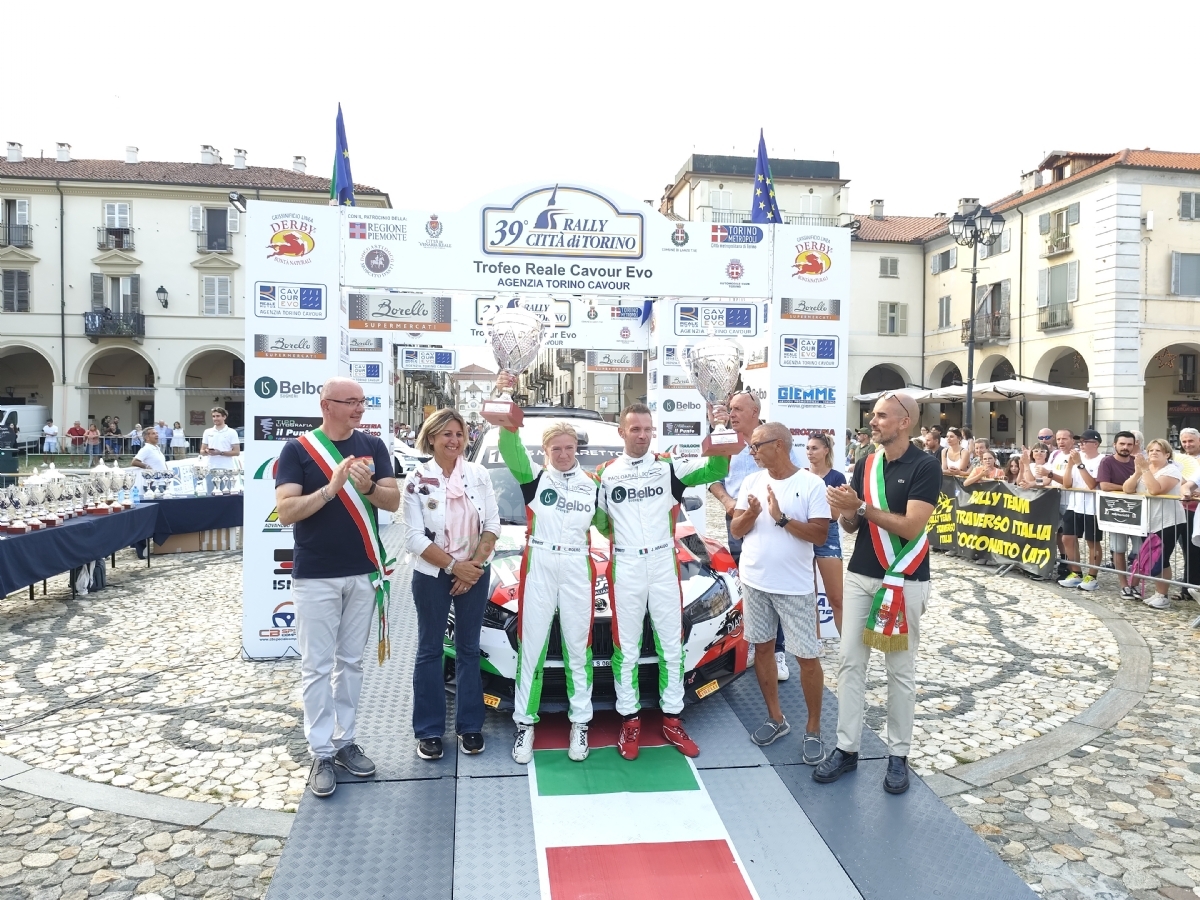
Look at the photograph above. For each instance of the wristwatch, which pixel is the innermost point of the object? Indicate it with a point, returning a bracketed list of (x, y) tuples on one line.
[(449, 570), (862, 509), (782, 520), (372, 490), (1081, 466)]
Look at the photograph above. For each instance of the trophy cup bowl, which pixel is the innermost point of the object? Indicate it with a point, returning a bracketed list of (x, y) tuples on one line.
[(715, 364), (130, 480), (200, 470), (516, 336)]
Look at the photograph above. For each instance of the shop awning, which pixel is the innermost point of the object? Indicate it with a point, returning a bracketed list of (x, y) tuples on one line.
[(105, 389)]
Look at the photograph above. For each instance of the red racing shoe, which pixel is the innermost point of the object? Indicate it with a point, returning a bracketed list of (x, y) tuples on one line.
[(674, 733), (627, 743)]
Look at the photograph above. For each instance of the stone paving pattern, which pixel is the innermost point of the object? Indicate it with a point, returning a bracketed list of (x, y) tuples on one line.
[(148, 692)]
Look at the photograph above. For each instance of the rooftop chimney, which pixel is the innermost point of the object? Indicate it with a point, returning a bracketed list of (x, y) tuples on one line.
[(299, 163), (239, 158), (14, 152), (131, 155), (64, 152), (876, 209), (209, 155), (968, 205)]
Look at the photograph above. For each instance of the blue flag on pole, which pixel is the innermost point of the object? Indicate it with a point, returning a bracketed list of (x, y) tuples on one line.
[(341, 185), (764, 209)]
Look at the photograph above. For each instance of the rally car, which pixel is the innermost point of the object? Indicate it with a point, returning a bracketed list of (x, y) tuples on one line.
[(714, 647)]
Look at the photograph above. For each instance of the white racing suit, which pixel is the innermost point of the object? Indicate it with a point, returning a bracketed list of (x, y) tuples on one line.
[(641, 498), (556, 575)]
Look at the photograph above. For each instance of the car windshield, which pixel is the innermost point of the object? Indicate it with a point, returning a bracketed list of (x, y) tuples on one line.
[(508, 492)]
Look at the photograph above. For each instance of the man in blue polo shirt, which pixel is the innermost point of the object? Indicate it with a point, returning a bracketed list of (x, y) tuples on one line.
[(744, 412), (326, 481)]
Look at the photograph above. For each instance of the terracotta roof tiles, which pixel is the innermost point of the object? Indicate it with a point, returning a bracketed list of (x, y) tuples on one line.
[(898, 229)]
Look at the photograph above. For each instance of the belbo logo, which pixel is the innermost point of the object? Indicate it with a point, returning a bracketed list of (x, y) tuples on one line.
[(267, 387), (668, 406), (548, 497), (620, 494)]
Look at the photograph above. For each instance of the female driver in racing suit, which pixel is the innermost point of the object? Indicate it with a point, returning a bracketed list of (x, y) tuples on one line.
[(556, 575)]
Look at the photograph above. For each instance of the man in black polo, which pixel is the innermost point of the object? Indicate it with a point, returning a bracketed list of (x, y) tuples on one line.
[(888, 502)]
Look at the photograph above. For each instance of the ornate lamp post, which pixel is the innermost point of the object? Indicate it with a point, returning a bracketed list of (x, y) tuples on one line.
[(979, 227)]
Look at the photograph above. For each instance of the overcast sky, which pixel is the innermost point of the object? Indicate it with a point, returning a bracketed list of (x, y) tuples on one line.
[(920, 103)]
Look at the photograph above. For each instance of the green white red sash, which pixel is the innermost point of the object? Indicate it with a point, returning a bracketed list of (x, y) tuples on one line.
[(887, 625), (328, 458)]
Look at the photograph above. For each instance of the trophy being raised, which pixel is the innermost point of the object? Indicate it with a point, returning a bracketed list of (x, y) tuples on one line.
[(715, 364), (516, 336)]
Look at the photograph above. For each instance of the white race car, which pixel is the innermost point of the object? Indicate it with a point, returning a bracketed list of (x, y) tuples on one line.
[(714, 647)]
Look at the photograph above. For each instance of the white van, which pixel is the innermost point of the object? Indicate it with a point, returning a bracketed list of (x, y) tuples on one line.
[(29, 421)]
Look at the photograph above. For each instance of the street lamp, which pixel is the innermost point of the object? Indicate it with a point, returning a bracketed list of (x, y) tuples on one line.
[(237, 201), (161, 294), (979, 227)]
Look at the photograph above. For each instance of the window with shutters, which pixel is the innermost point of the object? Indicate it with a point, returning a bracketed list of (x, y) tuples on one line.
[(1187, 374), (944, 311), (1189, 205), (16, 290), (215, 227), (15, 230), (1000, 245), (216, 292), (810, 205), (1058, 226), (1058, 285), (893, 318), (947, 259), (1185, 274), (721, 199), (123, 297), (889, 267), (115, 233)]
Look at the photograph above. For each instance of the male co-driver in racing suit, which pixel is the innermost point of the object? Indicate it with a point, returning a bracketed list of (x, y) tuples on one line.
[(641, 492)]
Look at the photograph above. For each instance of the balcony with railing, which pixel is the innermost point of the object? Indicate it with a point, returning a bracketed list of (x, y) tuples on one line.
[(114, 238), (106, 324), (214, 242), (1056, 315), (16, 235), (988, 327), (1057, 245), (742, 216)]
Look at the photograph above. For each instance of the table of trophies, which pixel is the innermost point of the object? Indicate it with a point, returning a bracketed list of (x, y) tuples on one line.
[(52, 524), (214, 501)]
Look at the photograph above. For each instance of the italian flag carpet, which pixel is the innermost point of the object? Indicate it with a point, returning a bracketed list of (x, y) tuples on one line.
[(642, 830)]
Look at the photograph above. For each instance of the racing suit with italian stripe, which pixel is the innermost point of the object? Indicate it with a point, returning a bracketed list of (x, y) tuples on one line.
[(556, 575), (641, 497)]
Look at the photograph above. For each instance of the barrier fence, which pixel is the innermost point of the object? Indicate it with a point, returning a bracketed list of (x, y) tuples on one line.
[(998, 523)]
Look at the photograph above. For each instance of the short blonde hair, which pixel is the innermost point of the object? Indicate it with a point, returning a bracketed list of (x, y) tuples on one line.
[(1161, 445), (556, 429), (436, 423)]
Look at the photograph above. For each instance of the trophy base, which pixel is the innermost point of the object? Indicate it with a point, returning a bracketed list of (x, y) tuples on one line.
[(17, 528), (722, 443), (503, 413), (50, 521)]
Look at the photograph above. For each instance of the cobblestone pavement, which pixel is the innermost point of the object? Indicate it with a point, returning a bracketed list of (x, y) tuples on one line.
[(149, 692), (143, 686), (53, 851)]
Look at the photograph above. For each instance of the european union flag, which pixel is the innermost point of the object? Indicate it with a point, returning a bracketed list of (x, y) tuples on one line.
[(341, 185), (764, 209)]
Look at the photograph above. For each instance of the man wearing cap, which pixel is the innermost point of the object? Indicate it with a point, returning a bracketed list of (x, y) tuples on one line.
[(1079, 521), (863, 445), (891, 497)]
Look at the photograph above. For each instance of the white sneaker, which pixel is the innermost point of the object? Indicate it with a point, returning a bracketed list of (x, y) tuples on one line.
[(1193, 593), (1089, 583), (577, 750), (750, 658), (1158, 601), (523, 746), (1072, 580), (781, 666)]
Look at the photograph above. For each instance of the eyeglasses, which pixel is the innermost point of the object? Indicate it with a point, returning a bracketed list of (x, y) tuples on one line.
[(361, 401), (758, 445)]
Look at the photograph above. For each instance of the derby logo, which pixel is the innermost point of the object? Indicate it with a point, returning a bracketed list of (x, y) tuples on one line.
[(813, 260), (291, 239), (564, 222)]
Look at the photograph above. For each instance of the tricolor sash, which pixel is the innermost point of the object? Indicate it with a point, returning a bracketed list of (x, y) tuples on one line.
[(328, 458), (887, 625)]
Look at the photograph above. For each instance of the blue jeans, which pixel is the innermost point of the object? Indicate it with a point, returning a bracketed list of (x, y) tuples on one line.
[(735, 550), (432, 598)]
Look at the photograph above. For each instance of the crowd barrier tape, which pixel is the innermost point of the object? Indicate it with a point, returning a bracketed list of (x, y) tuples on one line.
[(1006, 525)]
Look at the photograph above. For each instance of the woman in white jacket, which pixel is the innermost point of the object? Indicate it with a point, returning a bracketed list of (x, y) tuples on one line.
[(451, 522)]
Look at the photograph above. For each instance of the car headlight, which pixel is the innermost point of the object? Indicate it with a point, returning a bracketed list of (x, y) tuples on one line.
[(712, 603)]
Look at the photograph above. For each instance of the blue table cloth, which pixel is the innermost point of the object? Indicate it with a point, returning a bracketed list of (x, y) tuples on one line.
[(29, 558), (190, 514)]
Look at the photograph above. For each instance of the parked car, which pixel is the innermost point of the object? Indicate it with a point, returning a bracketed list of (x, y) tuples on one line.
[(714, 647), (405, 458)]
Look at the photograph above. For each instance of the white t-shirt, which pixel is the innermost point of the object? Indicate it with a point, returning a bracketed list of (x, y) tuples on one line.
[(223, 439), (1083, 500), (152, 458), (772, 559), (1160, 512), (51, 432)]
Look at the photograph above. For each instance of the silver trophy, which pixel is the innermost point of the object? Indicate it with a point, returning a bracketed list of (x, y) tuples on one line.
[(516, 336), (715, 364)]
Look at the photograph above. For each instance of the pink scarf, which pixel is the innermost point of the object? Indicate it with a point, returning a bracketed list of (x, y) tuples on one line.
[(462, 519)]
